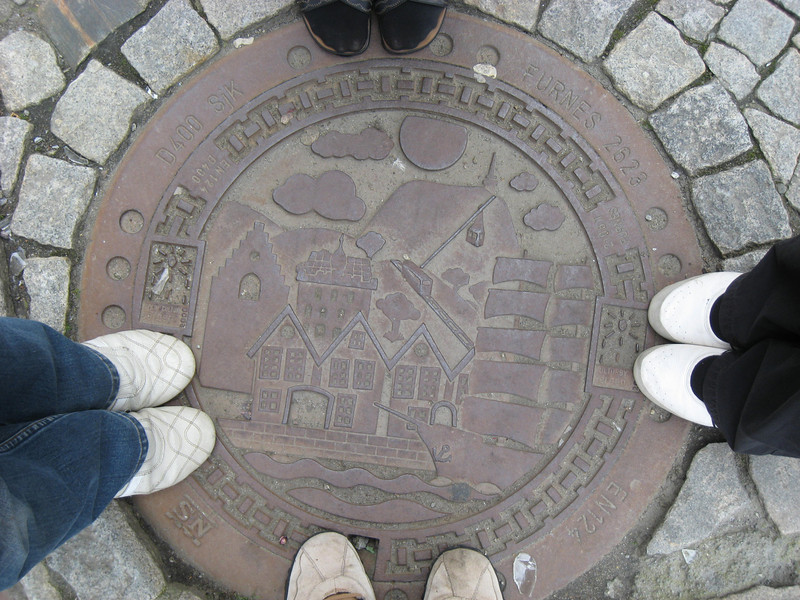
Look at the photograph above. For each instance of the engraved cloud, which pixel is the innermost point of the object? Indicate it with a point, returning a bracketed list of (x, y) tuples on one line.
[(332, 195), (370, 143), (545, 216), (524, 182)]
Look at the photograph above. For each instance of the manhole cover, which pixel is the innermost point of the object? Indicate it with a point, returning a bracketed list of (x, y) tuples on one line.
[(415, 288)]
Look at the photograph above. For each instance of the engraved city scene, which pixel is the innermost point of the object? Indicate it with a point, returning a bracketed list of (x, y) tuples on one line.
[(415, 294), (401, 329)]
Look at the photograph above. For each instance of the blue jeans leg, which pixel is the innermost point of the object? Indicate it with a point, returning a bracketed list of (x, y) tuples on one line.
[(57, 474), (42, 373)]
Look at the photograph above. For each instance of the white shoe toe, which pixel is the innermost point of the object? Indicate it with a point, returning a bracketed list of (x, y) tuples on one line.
[(663, 374), (180, 439), (327, 564), (681, 312), (153, 367), (462, 573)]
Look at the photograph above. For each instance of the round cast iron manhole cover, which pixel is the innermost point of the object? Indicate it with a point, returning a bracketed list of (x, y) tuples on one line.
[(415, 288)]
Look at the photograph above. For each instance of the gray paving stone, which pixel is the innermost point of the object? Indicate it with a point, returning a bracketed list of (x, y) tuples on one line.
[(107, 560), (95, 129), (721, 566), (702, 128), (6, 10), (767, 593), (779, 90), (36, 585), (47, 280), (653, 63), (695, 18), (741, 207), (173, 43), (14, 135), (77, 26), (582, 30), (732, 68), (523, 14), (776, 480), (712, 501), (29, 72), (790, 5), (52, 198), (796, 40), (779, 141), (743, 263), (231, 16), (757, 28)]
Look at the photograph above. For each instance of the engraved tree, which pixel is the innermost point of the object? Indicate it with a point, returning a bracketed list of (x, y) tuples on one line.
[(397, 308), (456, 277)]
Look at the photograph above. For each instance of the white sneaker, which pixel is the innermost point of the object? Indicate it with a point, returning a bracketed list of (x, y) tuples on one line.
[(328, 565), (681, 312), (462, 573), (179, 438), (153, 367), (664, 374)]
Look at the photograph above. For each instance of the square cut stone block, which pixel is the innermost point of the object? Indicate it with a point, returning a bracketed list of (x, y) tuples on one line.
[(53, 197)]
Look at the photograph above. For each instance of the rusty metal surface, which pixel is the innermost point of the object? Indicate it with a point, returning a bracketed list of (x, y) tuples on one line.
[(415, 293)]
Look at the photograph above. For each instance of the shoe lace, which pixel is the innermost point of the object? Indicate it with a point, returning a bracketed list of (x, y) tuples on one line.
[(344, 596)]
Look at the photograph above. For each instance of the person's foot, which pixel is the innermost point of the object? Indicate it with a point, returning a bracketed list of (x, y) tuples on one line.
[(327, 566), (681, 312), (179, 440), (664, 375), (338, 26), (153, 367), (462, 573), (409, 25)]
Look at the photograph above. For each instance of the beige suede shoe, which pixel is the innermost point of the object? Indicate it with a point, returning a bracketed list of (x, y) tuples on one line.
[(153, 367), (462, 573), (179, 438), (327, 566)]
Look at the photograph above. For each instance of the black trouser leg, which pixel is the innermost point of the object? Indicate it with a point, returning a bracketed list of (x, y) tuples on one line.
[(764, 303), (754, 398), (753, 392)]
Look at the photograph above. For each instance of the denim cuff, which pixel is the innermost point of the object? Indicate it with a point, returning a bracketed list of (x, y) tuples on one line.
[(144, 443), (112, 370)]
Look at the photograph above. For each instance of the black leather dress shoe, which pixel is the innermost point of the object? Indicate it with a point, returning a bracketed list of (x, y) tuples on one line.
[(338, 26), (409, 25)]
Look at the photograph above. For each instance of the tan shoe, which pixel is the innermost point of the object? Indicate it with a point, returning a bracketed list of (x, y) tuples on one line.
[(462, 573), (179, 438), (328, 565), (153, 367)]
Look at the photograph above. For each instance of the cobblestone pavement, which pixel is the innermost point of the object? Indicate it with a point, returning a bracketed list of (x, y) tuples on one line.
[(715, 84)]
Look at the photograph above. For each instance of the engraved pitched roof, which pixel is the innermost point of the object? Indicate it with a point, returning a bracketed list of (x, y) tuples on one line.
[(337, 268)]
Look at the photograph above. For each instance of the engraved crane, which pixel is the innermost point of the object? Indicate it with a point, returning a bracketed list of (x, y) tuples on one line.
[(422, 283)]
